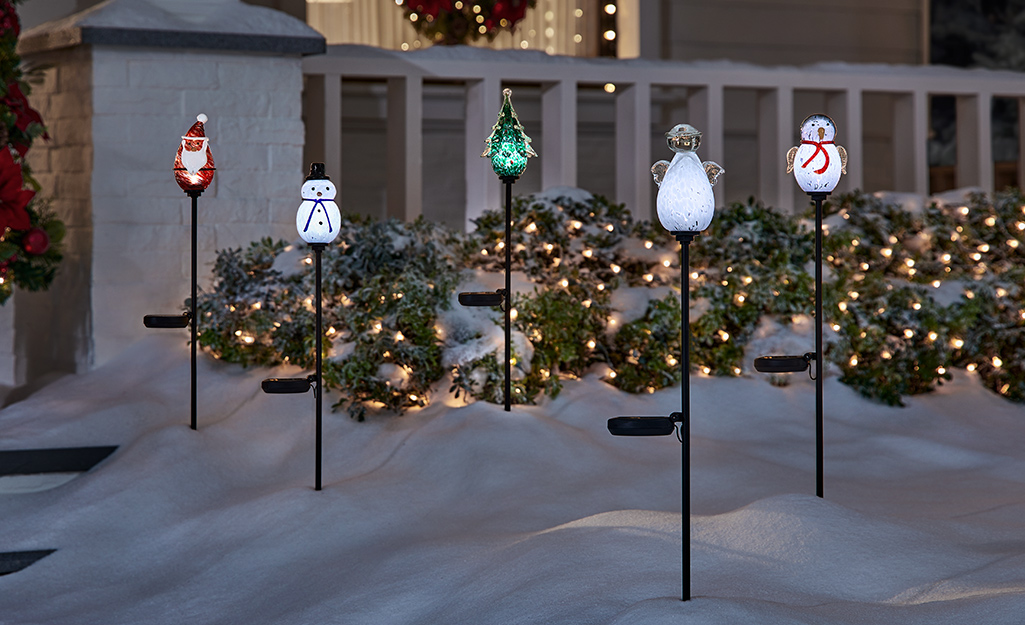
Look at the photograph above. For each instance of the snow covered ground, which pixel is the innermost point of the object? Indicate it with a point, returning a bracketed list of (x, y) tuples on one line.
[(467, 514)]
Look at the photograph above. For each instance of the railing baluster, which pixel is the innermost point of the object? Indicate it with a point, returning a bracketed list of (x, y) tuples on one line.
[(483, 99), (775, 137), (333, 128), (405, 147), (633, 148), (559, 134)]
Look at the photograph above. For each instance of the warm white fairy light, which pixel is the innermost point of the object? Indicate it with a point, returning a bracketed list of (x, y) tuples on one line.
[(956, 343), (615, 268), (600, 287), (910, 262), (853, 294), (610, 227), (886, 355), (983, 248), (997, 363), (886, 252), (724, 335), (853, 361), (586, 303), (399, 337), (842, 306), (836, 327), (909, 333), (935, 284), (257, 305), (549, 247), (941, 370), (564, 283), (609, 87), (648, 277), (413, 397), (706, 370), (964, 210), (513, 314), (667, 263), (587, 253), (612, 374), (933, 336), (917, 306), (591, 344), (991, 221), (331, 331), (1020, 225), (531, 228), (483, 252), (971, 367), (671, 361), (576, 225), (1012, 243), (1001, 292), (647, 245), (500, 245), (694, 275)]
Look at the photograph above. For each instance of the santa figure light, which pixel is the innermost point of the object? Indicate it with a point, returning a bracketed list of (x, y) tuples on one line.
[(194, 164)]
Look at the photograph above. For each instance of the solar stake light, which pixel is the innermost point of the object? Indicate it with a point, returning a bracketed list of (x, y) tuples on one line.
[(482, 298), (285, 386), (784, 364), (508, 147), (193, 171), (817, 164), (317, 221), (685, 206)]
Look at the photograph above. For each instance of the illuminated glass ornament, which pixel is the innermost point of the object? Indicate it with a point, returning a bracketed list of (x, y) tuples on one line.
[(318, 218), (508, 147), (685, 200), (194, 164), (818, 162)]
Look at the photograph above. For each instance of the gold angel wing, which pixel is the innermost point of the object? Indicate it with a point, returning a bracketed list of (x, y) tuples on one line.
[(658, 171), (713, 170), (843, 159), (791, 155)]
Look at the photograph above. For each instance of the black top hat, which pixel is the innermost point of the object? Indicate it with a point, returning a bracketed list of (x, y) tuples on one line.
[(317, 172)]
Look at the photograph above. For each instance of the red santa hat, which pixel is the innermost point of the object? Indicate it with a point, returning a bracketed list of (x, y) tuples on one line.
[(197, 131)]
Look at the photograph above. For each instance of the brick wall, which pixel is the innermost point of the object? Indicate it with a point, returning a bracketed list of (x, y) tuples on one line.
[(144, 101)]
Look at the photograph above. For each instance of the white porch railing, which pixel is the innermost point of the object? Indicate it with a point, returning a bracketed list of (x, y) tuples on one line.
[(638, 83)]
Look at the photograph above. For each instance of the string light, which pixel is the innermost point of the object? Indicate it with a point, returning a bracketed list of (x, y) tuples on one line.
[(587, 253), (957, 343), (886, 252), (971, 367), (853, 361), (933, 336), (997, 363), (667, 263), (531, 228), (991, 221), (909, 333), (591, 344), (941, 370), (647, 245), (615, 268)]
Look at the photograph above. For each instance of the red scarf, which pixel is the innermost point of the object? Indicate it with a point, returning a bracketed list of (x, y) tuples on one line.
[(818, 148)]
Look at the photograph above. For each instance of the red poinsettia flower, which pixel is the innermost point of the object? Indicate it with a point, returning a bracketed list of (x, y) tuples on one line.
[(9, 24), (25, 115), (510, 10), (430, 7), (13, 196)]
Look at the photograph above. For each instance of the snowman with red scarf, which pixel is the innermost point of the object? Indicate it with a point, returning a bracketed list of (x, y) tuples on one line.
[(818, 162)]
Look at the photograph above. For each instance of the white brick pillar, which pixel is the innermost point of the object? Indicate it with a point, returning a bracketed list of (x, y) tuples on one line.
[(127, 82)]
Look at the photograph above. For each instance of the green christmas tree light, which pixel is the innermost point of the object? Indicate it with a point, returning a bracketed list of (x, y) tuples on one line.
[(508, 146)]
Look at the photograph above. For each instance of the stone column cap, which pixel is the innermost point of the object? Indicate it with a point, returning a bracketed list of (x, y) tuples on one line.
[(228, 25)]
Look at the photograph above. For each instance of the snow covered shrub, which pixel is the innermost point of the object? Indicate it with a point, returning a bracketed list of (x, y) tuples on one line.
[(749, 263), (917, 292), (909, 294)]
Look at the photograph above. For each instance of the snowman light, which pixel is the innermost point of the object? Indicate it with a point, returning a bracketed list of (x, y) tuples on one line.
[(318, 217), (685, 200), (818, 162)]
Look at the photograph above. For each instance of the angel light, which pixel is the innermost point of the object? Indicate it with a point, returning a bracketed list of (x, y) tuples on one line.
[(685, 200)]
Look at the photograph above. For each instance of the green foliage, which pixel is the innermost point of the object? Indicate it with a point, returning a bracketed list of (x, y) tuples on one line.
[(908, 297)]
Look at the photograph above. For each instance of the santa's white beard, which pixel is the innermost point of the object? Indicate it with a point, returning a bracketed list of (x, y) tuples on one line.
[(193, 160)]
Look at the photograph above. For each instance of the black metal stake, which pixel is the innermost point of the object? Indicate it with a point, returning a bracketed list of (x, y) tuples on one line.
[(819, 356), (508, 180), (685, 238), (192, 313), (318, 249)]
